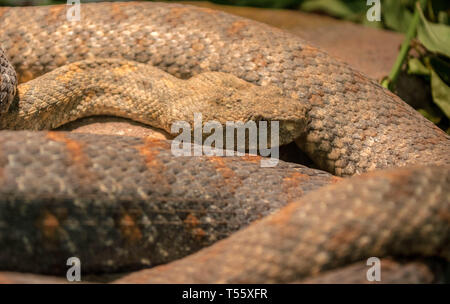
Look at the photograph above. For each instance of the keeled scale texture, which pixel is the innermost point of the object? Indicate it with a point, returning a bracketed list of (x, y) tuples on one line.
[(8, 82), (148, 95), (355, 125), (130, 204), (392, 272), (329, 228)]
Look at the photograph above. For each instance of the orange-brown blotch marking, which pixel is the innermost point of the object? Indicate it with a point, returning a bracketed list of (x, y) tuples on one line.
[(229, 176), (191, 220), (259, 60), (283, 216), (220, 164), (251, 158), (76, 155), (296, 178), (129, 228), (117, 11), (56, 12), (48, 224), (198, 233), (236, 27), (149, 149), (292, 185), (74, 148), (192, 223), (124, 69), (336, 179), (72, 70)]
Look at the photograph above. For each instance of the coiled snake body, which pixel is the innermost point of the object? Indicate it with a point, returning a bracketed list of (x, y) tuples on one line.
[(123, 203)]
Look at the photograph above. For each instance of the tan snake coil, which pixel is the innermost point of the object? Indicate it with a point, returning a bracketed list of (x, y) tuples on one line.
[(352, 126)]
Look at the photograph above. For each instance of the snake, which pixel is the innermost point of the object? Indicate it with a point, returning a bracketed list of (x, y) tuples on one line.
[(123, 203)]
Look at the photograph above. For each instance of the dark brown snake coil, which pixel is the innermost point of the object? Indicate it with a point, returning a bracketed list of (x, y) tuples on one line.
[(124, 203)]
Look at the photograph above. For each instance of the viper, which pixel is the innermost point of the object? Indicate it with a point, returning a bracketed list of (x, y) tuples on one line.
[(123, 203)]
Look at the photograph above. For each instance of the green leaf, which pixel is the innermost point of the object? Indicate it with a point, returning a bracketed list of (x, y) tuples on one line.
[(415, 66), (441, 65), (396, 15), (435, 37), (441, 93)]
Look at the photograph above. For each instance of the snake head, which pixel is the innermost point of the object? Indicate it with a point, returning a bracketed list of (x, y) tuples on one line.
[(230, 99), (8, 83)]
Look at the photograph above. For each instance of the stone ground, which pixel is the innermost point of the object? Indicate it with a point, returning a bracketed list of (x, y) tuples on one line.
[(369, 50)]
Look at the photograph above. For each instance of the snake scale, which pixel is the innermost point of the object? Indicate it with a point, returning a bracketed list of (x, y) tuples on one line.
[(126, 203)]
